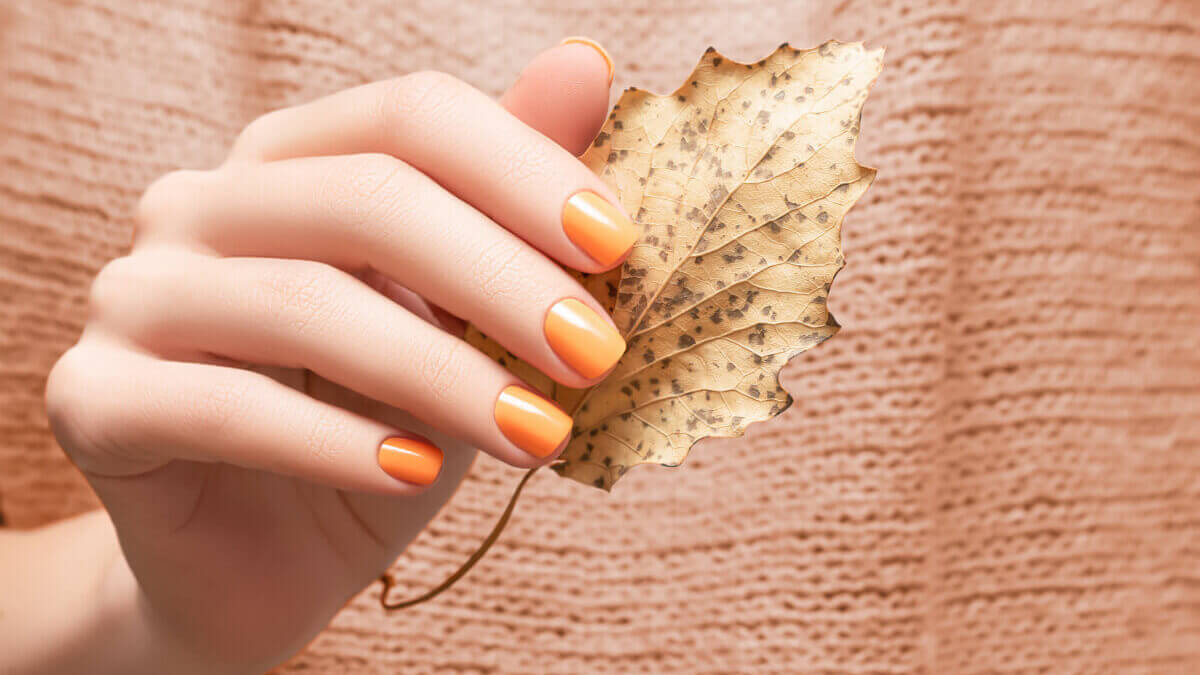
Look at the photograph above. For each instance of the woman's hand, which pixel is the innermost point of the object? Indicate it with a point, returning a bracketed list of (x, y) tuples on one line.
[(235, 399)]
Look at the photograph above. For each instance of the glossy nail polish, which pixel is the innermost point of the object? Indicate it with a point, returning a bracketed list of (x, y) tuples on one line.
[(532, 423), (579, 39), (410, 460), (597, 227), (582, 338)]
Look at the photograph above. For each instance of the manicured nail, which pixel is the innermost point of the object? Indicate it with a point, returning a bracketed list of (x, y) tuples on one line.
[(579, 39), (597, 227), (532, 423), (410, 460), (583, 339)]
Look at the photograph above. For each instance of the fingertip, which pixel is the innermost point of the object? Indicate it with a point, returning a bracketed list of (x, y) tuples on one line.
[(410, 459), (586, 341), (563, 93), (597, 48), (532, 423), (599, 228)]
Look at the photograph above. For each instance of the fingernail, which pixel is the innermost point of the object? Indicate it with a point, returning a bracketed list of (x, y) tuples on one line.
[(532, 423), (410, 460), (597, 227), (583, 339), (579, 39)]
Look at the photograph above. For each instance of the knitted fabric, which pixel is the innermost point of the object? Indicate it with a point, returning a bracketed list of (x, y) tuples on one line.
[(994, 467)]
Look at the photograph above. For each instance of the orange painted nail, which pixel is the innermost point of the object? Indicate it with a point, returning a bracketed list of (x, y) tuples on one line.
[(583, 339), (532, 423), (579, 39), (597, 227), (410, 460)]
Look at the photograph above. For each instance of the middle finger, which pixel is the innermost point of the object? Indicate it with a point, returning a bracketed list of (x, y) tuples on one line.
[(375, 212)]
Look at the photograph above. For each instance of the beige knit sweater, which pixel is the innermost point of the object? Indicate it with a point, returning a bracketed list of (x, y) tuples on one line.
[(994, 467)]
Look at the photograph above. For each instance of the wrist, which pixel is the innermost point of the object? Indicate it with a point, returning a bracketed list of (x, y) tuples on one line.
[(143, 638), (72, 605)]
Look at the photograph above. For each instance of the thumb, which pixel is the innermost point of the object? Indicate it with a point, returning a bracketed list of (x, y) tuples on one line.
[(563, 93)]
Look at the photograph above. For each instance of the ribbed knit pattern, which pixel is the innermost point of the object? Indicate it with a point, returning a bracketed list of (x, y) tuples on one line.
[(993, 468)]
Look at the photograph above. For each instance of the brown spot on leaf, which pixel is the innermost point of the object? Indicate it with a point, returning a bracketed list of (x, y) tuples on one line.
[(675, 286)]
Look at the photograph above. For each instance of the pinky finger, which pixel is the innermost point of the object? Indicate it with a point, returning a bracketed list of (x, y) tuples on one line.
[(142, 412)]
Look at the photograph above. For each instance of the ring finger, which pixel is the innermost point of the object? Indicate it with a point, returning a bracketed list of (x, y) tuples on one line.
[(302, 314)]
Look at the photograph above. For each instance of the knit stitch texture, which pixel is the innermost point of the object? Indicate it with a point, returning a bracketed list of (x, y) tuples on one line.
[(994, 467)]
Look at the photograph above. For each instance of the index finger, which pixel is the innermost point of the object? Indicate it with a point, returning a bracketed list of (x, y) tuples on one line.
[(469, 144)]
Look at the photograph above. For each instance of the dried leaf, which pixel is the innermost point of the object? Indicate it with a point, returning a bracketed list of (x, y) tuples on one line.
[(740, 180)]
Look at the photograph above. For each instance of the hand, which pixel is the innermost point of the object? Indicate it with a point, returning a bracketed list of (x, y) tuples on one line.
[(264, 383)]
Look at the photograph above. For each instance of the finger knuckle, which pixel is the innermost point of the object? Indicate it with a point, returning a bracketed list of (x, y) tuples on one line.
[(63, 386), (166, 200), (501, 271), (323, 442), (301, 296), (523, 164), (442, 367), (77, 415), (224, 404), (120, 280), (364, 192), (417, 96), (254, 134)]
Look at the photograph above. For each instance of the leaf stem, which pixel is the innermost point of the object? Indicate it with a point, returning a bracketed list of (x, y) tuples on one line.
[(389, 582)]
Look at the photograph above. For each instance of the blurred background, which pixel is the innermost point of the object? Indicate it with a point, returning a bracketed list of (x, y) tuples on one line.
[(994, 467)]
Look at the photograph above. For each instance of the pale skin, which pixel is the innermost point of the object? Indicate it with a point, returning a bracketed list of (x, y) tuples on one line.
[(277, 319)]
